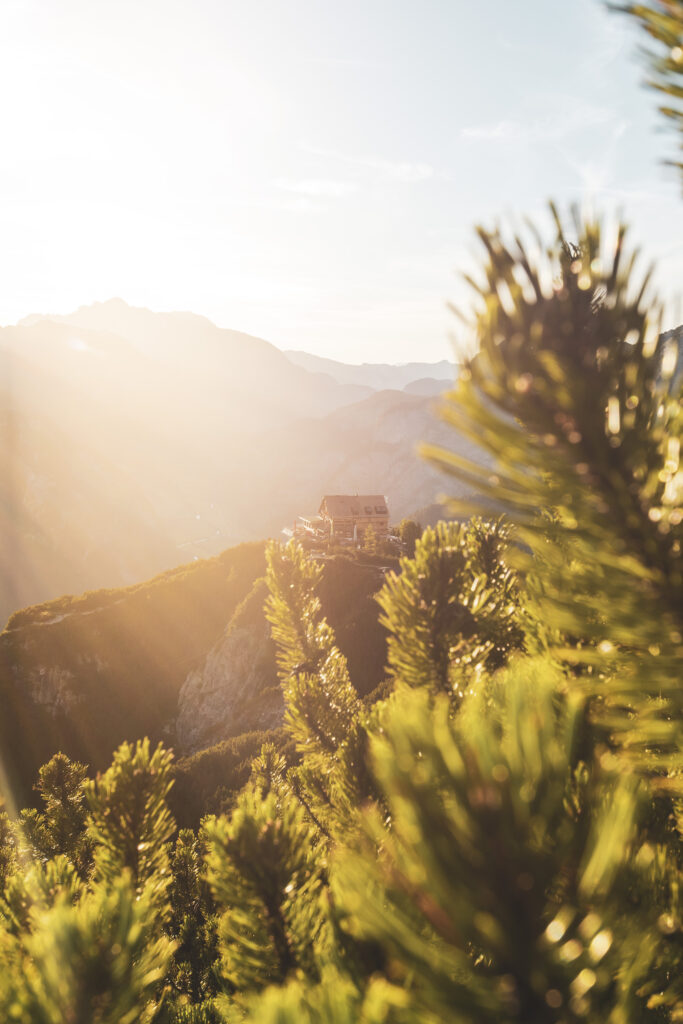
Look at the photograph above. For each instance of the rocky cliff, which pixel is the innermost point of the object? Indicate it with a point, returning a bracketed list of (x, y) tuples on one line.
[(235, 689)]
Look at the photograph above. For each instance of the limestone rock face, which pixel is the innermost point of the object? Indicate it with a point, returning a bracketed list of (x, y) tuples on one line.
[(52, 688), (235, 690)]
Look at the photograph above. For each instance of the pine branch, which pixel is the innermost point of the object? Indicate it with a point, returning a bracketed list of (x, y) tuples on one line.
[(575, 396)]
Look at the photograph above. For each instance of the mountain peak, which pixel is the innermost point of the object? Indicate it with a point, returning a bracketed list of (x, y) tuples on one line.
[(116, 302)]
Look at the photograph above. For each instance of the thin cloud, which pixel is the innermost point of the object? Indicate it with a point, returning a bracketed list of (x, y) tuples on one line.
[(395, 170), (597, 174), (316, 187), (549, 128), (401, 171), (291, 203), (352, 62), (607, 39)]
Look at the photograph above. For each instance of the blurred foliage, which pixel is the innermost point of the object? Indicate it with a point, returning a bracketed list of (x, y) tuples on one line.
[(662, 21), (91, 949), (370, 541), (96, 962), (498, 836), (495, 863), (409, 533), (575, 395)]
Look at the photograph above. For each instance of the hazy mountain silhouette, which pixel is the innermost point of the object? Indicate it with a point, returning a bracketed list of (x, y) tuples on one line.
[(132, 441), (367, 447), (375, 375), (428, 386)]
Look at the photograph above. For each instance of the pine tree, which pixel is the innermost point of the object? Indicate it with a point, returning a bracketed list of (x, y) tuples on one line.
[(8, 856), (35, 887), (265, 870), (662, 20), (571, 395), (130, 823), (409, 532), (370, 541), (454, 608), (193, 922), (61, 827), (95, 962), (492, 888), (323, 712)]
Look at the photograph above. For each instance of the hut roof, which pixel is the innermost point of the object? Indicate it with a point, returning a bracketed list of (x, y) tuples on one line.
[(348, 506)]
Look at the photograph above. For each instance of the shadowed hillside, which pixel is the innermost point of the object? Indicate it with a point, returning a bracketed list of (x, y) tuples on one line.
[(185, 657)]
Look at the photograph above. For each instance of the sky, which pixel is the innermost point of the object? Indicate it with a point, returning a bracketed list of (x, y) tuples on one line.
[(310, 171)]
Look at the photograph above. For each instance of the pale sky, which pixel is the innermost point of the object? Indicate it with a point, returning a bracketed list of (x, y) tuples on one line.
[(309, 171)]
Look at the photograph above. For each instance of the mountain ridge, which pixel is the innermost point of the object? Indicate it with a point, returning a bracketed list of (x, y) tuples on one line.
[(378, 375), (124, 454)]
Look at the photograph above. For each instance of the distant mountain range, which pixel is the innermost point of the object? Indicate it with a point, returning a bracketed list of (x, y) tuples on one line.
[(377, 376), (133, 441)]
